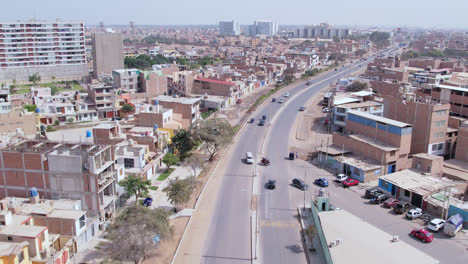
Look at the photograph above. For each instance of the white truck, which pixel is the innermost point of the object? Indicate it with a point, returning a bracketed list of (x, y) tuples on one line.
[(453, 225)]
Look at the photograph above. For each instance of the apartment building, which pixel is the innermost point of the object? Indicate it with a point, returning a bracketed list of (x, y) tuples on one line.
[(103, 98), (263, 27), (11, 253), (216, 87), (341, 107), (322, 31), (457, 97), (108, 53), (84, 172), (429, 120), (180, 83), (151, 115), (127, 80), (384, 141), (46, 48), (184, 110), (462, 143), (5, 102), (229, 28)]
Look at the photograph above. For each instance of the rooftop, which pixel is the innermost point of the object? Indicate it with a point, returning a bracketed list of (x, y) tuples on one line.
[(360, 162), (415, 181), (363, 104), (375, 143), (214, 81), (23, 230), (365, 243), (11, 248), (379, 119), (427, 156), (363, 93), (182, 100), (334, 150), (453, 88), (345, 100)]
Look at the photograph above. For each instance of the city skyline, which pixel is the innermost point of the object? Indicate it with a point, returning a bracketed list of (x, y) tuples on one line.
[(295, 12)]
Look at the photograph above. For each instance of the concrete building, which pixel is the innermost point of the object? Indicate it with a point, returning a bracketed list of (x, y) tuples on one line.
[(180, 83), (322, 31), (5, 102), (456, 96), (263, 27), (429, 120), (215, 87), (151, 115), (229, 28), (37, 237), (103, 98), (127, 80), (12, 253), (44, 48), (462, 143), (84, 172), (184, 110), (108, 53), (387, 142)]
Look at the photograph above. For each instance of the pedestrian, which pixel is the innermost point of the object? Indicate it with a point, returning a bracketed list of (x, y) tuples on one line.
[(297, 155)]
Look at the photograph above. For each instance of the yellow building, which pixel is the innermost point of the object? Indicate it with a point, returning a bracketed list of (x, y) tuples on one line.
[(14, 253)]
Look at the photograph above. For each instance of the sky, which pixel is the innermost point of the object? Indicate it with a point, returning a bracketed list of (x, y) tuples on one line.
[(418, 13)]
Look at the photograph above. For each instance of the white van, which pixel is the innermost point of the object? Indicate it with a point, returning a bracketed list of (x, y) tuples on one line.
[(249, 158), (341, 177)]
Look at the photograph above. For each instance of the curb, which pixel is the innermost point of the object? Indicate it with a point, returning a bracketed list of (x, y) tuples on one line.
[(307, 242)]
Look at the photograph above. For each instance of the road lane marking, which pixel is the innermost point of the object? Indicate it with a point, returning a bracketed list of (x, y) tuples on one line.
[(279, 224)]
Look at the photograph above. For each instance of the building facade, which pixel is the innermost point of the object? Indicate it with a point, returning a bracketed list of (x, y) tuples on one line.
[(229, 28), (49, 49), (108, 53), (263, 27)]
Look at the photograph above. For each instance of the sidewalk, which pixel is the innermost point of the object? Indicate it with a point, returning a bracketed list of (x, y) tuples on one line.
[(317, 256)]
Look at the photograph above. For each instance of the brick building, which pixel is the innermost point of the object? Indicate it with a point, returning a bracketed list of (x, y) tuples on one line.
[(184, 110)]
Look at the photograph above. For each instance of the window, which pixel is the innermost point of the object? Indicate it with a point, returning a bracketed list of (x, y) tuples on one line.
[(407, 193), (10, 238), (440, 146), (82, 221), (384, 184), (434, 147), (340, 118), (129, 163), (392, 153)]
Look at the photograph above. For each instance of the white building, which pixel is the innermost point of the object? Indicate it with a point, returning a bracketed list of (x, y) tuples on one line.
[(263, 27), (47, 48), (229, 28)]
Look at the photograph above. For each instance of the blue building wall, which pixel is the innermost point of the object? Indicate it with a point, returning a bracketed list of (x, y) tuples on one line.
[(384, 127), (384, 185)]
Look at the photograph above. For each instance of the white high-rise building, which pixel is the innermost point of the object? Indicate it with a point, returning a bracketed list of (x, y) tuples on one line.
[(47, 48), (263, 27), (229, 28)]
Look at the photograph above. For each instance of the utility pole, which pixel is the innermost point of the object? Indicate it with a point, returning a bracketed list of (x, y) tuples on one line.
[(326, 154), (305, 172)]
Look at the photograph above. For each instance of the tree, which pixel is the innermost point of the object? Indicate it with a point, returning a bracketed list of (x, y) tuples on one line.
[(30, 108), (183, 142), (380, 39), (127, 108), (35, 78), (70, 120), (14, 83), (54, 90), (357, 86), (170, 160), (179, 191), (135, 185), (215, 133), (360, 52), (132, 232), (311, 232), (195, 162)]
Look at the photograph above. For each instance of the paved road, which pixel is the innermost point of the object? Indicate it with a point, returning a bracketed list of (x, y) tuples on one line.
[(229, 236)]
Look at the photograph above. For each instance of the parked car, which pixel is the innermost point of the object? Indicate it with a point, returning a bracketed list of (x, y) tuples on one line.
[(117, 118), (291, 155), (252, 120), (325, 110), (280, 100), (414, 213), (264, 117), (336, 69), (302, 108), (423, 235), (350, 182), (286, 94), (389, 203), (436, 224), (261, 122), (239, 101), (300, 184), (308, 83), (378, 199), (371, 192), (341, 177), (148, 201), (270, 184), (273, 100), (249, 158), (401, 207), (321, 182)]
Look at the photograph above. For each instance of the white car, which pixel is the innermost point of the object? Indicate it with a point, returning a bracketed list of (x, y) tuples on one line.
[(280, 100), (249, 158), (414, 213), (436, 224), (341, 177), (286, 95)]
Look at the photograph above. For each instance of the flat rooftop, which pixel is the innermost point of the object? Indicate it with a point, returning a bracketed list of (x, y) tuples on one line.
[(413, 180), (11, 248), (23, 230), (182, 100), (375, 143), (365, 243), (363, 104), (379, 119), (360, 162), (428, 157)]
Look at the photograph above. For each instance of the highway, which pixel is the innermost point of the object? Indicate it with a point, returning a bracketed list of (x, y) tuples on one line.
[(229, 237)]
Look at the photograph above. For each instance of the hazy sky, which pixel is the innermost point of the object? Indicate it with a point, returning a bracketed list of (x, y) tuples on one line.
[(426, 13)]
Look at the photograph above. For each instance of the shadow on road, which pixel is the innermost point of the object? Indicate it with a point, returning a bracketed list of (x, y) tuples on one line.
[(295, 248)]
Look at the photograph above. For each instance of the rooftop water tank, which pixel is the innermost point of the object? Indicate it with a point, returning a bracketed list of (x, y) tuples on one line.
[(33, 192), (156, 102), (88, 133), (156, 127)]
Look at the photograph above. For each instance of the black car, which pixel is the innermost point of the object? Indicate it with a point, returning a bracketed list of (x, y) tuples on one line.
[(372, 192), (270, 184), (261, 123), (401, 207), (302, 108), (291, 155), (300, 184)]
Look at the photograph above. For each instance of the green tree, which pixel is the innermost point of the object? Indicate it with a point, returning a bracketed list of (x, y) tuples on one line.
[(127, 108), (380, 39), (183, 142), (54, 90), (135, 185), (215, 133), (70, 120), (360, 52), (357, 86), (35, 78), (131, 233), (311, 232), (179, 191), (194, 162), (170, 159), (30, 107), (336, 39), (14, 83)]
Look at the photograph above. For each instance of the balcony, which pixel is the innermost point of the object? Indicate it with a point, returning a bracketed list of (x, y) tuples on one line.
[(106, 179)]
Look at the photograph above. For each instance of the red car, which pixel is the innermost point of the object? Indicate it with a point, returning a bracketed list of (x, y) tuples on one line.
[(423, 235), (350, 182), (390, 202)]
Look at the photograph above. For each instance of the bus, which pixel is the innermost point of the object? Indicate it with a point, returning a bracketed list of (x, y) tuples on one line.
[(326, 98)]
